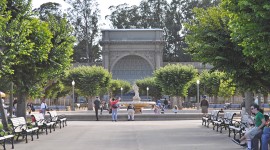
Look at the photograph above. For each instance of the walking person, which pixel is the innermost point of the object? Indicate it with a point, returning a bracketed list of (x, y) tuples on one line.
[(102, 106), (259, 122), (97, 106), (131, 111), (204, 106), (166, 103), (43, 107), (114, 107)]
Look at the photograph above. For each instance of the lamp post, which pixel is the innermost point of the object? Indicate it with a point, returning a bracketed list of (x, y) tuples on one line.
[(198, 94), (73, 99), (121, 91), (147, 89)]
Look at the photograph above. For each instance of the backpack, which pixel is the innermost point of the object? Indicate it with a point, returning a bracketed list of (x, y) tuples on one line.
[(114, 106)]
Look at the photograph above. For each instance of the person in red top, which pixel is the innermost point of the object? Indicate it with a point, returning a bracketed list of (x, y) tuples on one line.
[(114, 106)]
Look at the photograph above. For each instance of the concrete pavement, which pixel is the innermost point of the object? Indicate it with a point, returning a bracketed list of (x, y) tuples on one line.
[(132, 135)]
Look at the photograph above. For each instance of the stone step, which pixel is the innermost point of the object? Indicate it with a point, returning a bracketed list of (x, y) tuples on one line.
[(138, 117)]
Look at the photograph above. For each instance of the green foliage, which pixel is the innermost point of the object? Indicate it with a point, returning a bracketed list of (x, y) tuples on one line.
[(84, 16), (33, 51), (209, 41), (175, 79), (249, 25), (89, 81), (160, 14), (227, 88), (154, 89), (116, 85)]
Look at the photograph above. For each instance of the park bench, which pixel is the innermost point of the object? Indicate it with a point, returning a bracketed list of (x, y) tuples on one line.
[(20, 128), (239, 127), (43, 124), (6, 136), (210, 118), (58, 119), (225, 121)]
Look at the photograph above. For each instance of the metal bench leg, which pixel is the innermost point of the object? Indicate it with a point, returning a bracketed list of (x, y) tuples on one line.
[(46, 129), (4, 144), (12, 143), (50, 128), (60, 124)]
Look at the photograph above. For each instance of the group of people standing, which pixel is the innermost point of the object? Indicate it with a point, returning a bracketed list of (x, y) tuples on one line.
[(113, 109)]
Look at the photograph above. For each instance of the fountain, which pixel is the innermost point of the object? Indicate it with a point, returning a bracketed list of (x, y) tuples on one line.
[(137, 103)]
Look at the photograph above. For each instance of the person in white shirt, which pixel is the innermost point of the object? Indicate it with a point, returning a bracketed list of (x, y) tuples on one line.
[(43, 107)]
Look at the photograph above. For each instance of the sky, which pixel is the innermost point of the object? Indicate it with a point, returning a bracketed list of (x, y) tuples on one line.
[(103, 6)]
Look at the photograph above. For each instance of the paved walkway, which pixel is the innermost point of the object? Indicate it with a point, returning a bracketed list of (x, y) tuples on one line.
[(132, 135)]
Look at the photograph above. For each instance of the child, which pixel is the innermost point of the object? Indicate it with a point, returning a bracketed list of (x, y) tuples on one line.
[(175, 109), (131, 111)]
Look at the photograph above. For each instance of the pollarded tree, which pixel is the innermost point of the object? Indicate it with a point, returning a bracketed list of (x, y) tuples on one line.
[(89, 81), (227, 88), (154, 89), (4, 17), (211, 83), (116, 85), (175, 79), (62, 43), (25, 46)]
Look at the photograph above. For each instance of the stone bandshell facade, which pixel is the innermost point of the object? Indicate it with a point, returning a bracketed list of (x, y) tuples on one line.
[(132, 54)]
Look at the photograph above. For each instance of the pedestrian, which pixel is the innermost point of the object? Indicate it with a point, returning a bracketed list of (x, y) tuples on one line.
[(204, 106), (97, 106), (258, 122), (266, 134), (162, 109), (4, 106), (102, 106), (43, 107), (156, 109), (114, 107), (243, 107), (14, 109), (131, 112), (175, 109), (166, 103)]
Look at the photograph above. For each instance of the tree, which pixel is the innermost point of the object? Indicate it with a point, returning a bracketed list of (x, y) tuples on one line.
[(249, 26), (89, 81), (62, 42), (84, 15), (154, 89), (116, 85), (29, 53), (226, 89), (209, 41), (175, 79)]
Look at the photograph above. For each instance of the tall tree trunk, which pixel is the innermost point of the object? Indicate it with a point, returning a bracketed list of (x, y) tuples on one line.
[(265, 98), (215, 99), (3, 114), (11, 100), (248, 101), (179, 103), (174, 101), (259, 99), (21, 105), (90, 103)]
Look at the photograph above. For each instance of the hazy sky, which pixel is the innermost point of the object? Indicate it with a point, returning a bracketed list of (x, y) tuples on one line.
[(103, 6)]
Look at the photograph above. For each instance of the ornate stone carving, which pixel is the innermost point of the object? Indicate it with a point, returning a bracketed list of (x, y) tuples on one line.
[(132, 59)]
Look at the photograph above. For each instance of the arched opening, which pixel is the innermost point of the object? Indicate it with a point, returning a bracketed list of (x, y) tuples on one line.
[(131, 68)]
